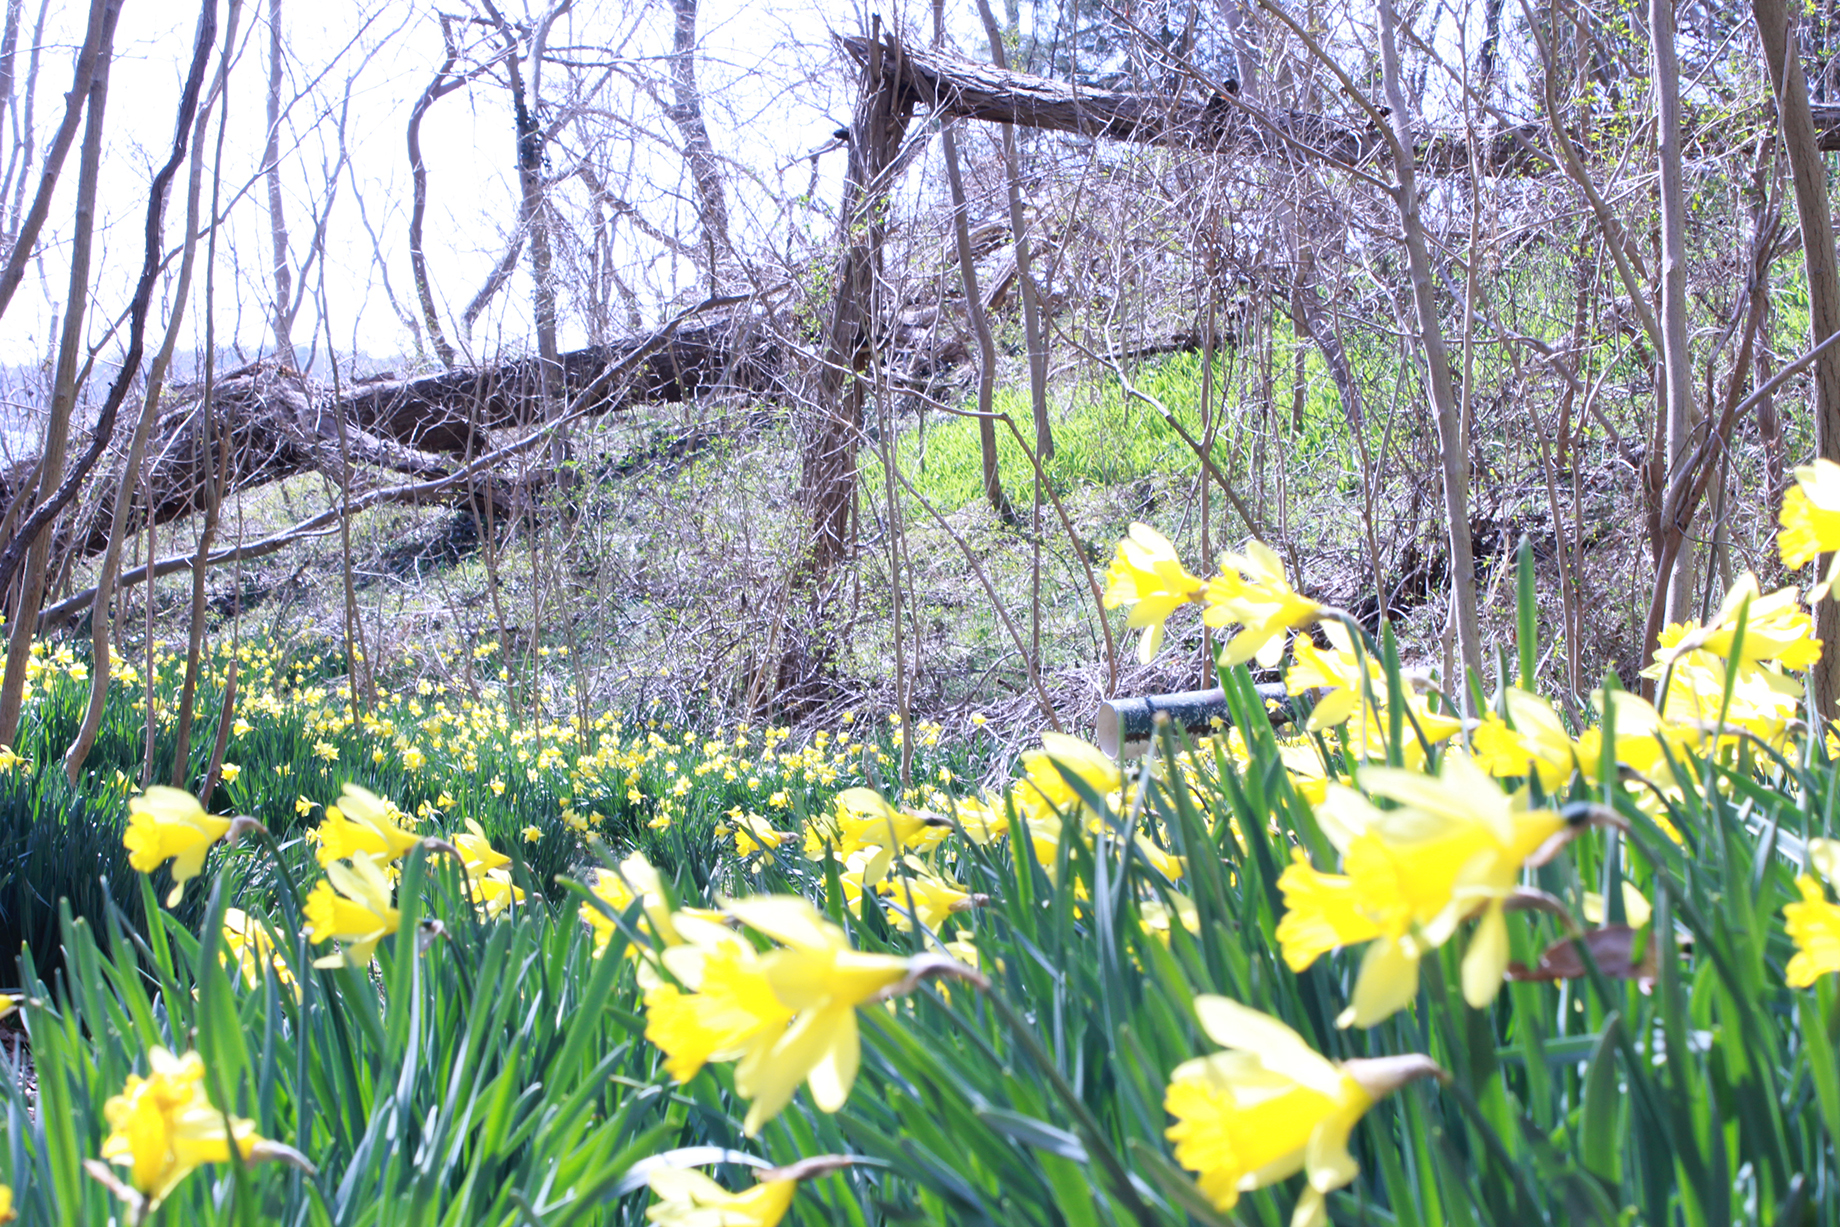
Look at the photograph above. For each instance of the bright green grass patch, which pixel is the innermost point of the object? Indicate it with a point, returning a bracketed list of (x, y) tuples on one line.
[(1104, 435)]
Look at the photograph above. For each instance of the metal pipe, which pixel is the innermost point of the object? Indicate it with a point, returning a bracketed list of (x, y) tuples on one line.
[(1125, 726)]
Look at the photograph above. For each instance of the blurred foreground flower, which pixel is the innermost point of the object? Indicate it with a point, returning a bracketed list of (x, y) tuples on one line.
[(690, 1199), (167, 823), (1271, 1106), (687, 1198), (163, 1125)]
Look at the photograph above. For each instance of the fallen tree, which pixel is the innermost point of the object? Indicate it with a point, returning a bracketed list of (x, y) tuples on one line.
[(1224, 123), (282, 423)]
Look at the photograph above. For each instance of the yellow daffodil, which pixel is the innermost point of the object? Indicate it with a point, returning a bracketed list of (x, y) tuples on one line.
[(532, 834), (860, 819), (1810, 521), (163, 1125), (635, 879), (690, 1199), (1253, 592), (1814, 923), (1271, 1106), (7, 1213), (726, 1011), (477, 852), (362, 823), (1453, 849), (753, 833), (1160, 918), (168, 823), (1044, 793), (1535, 744), (228, 772), (924, 894), (1636, 909), (1147, 576), (817, 975), (1346, 688), (494, 892), (351, 905), (250, 945), (1776, 629)]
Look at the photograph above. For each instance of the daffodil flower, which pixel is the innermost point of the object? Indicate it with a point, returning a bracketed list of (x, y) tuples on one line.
[(1147, 576), (494, 892), (476, 851), (1814, 923), (362, 823), (1271, 1106), (862, 819), (726, 1010), (1454, 849), (1346, 688), (1535, 744), (351, 905), (1810, 521), (688, 1198), (1776, 629), (251, 946), (168, 823), (921, 893), (163, 1125), (1253, 592), (817, 975)]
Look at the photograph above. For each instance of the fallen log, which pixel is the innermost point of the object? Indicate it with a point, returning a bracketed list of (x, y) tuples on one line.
[(282, 424), (963, 89)]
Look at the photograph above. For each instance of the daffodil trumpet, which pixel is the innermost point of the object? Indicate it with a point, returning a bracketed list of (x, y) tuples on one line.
[(1270, 1107)]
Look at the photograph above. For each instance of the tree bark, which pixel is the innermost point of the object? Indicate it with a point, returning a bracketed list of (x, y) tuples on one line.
[(828, 467), (1676, 358), (100, 664), (438, 88), (1803, 146), (283, 306), (101, 26), (1452, 446), (64, 386), (686, 111)]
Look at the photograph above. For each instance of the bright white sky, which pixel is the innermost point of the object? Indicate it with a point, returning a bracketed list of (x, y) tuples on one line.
[(773, 95)]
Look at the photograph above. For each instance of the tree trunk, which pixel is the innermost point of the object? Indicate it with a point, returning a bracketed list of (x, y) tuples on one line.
[(1676, 357), (686, 111), (283, 307), (828, 468), (64, 386), (100, 664), (101, 23), (1452, 447), (1776, 32)]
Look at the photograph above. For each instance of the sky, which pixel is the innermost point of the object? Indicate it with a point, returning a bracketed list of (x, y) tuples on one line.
[(774, 92)]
